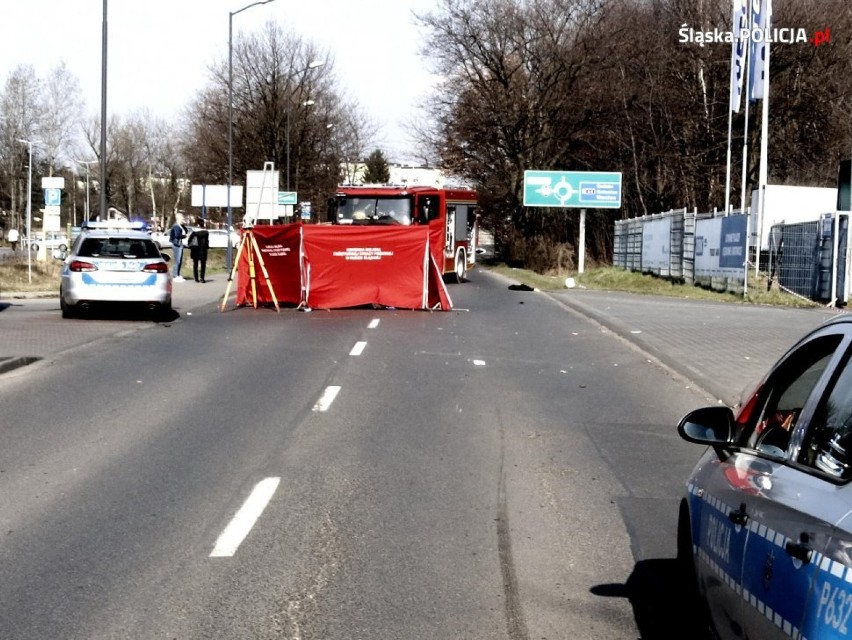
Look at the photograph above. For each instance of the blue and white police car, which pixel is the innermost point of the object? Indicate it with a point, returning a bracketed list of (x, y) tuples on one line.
[(765, 527), (115, 264)]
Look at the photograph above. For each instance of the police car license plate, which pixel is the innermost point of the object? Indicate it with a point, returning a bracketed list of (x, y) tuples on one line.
[(119, 265)]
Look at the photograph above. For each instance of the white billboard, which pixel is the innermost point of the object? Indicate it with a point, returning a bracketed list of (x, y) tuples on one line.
[(656, 244), (262, 195), (216, 195)]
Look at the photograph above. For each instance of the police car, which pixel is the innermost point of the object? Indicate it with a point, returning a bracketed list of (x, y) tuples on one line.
[(116, 264), (765, 527)]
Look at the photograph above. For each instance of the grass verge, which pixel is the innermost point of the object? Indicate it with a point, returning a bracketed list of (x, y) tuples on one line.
[(42, 276), (615, 279)]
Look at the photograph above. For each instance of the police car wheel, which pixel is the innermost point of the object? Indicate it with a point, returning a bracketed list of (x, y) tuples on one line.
[(67, 310)]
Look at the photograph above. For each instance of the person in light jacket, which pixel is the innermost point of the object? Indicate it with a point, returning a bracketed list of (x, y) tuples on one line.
[(176, 236)]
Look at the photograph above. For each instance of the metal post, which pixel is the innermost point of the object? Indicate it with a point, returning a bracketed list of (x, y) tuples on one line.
[(87, 211), (29, 144), (87, 192), (288, 145), (230, 132), (103, 208), (74, 198), (231, 15)]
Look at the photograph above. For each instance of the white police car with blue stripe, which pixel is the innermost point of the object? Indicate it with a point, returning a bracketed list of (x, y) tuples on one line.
[(765, 526)]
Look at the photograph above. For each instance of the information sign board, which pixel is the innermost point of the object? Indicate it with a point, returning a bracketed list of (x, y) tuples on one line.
[(576, 189)]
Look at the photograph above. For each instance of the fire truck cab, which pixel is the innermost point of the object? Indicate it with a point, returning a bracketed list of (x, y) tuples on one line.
[(455, 210)]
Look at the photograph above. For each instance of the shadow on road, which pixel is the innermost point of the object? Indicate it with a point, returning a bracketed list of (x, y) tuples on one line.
[(125, 312), (661, 600)]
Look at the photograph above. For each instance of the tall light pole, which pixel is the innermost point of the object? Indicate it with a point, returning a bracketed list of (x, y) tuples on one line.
[(102, 200), (29, 144), (313, 65), (87, 163), (231, 15)]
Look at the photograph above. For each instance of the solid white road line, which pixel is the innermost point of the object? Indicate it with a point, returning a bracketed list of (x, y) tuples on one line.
[(242, 523), (327, 398), (373, 323), (358, 349)]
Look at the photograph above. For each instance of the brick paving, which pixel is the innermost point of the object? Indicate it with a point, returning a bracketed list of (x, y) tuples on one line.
[(724, 348), (29, 328)]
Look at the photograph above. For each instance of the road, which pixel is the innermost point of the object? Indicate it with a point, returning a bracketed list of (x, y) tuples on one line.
[(506, 470)]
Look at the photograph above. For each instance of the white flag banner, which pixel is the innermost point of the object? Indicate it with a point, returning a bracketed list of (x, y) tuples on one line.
[(738, 53), (760, 47)]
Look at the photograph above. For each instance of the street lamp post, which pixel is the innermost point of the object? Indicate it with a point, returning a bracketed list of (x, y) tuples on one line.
[(103, 160), (313, 65), (231, 15), (87, 163), (29, 144)]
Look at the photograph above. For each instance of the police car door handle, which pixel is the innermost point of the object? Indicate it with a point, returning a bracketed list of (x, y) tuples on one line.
[(800, 550), (739, 516)]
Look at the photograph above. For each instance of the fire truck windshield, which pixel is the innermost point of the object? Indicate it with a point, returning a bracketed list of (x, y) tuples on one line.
[(374, 210)]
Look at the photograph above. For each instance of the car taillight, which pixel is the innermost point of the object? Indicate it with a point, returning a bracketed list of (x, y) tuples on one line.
[(79, 265), (156, 267)]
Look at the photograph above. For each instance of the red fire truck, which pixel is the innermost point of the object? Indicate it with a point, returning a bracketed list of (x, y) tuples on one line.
[(453, 210)]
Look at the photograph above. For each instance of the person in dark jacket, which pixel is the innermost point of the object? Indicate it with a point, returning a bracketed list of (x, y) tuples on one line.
[(199, 243)]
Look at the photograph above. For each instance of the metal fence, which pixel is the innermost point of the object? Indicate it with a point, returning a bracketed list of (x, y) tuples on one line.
[(808, 259)]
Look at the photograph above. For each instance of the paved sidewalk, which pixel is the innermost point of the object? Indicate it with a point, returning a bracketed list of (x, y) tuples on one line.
[(30, 328), (724, 348)]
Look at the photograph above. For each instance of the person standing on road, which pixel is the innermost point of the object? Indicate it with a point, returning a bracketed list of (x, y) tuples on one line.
[(12, 237), (199, 243), (176, 236)]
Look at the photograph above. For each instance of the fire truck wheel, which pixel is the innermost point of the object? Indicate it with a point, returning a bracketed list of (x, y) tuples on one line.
[(461, 266)]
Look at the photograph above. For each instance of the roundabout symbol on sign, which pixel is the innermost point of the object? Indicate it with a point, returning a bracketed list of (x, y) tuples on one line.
[(562, 191)]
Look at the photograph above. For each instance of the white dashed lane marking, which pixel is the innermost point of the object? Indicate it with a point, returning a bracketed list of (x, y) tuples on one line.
[(242, 523), (358, 349), (373, 323), (327, 398)]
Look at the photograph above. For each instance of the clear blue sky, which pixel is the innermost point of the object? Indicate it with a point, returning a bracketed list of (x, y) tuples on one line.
[(164, 44)]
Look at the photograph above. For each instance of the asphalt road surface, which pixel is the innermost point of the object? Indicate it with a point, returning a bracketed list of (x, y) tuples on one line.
[(505, 470)]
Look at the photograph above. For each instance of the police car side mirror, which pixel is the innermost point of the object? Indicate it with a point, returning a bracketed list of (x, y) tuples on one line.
[(711, 426)]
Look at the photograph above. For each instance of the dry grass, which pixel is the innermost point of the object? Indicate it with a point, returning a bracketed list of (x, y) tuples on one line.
[(16, 276), (614, 279)]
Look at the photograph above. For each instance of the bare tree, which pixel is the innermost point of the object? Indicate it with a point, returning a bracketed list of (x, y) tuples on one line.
[(19, 115), (285, 106), (607, 85), (61, 116)]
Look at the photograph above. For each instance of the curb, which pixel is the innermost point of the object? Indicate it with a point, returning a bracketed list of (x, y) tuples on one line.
[(11, 363)]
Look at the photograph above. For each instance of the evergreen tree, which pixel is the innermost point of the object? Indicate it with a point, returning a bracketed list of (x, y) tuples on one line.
[(377, 171)]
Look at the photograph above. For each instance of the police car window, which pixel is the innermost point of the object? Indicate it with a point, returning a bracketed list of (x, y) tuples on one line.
[(784, 395), (828, 443)]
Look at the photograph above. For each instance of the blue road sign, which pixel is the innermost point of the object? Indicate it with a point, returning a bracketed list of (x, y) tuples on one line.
[(578, 189), (52, 197), (287, 197)]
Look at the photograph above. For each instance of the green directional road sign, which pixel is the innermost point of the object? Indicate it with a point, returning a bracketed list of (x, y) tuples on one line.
[(579, 189), (287, 197)]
